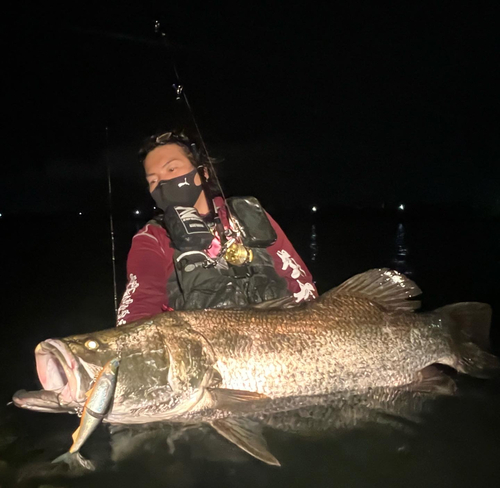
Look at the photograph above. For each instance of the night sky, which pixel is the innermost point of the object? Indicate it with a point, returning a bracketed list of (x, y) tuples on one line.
[(357, 104)]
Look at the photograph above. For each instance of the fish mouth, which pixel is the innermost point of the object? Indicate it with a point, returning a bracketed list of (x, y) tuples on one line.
[(59, 370), (64, 380)]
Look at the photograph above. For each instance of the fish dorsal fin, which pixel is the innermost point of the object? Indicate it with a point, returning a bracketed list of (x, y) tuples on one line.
[(384, 286)]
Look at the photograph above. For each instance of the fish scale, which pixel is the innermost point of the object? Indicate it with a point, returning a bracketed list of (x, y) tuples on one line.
[(344, 354), (364, 334)]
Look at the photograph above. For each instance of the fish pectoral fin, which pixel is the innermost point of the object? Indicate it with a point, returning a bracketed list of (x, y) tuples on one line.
[(240, 400), (247, 435)]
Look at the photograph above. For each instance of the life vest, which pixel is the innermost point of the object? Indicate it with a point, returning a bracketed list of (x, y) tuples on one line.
[(194, 287)]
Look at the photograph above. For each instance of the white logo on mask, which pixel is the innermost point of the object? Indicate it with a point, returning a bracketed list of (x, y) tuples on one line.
[(185, 182)]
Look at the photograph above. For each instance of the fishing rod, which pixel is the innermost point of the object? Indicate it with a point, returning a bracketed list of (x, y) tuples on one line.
[(237, 239), (180, 94), (111, 223)]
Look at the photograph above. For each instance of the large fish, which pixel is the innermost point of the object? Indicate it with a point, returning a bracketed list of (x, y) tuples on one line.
[(174, 366)]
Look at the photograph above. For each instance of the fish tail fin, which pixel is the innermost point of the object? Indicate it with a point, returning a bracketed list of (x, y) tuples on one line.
[(470, 326)]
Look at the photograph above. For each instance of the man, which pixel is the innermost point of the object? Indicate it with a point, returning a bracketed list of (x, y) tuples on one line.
[(161, 277)]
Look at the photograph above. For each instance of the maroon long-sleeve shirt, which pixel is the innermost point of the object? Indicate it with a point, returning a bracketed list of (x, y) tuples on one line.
[(150, 264)]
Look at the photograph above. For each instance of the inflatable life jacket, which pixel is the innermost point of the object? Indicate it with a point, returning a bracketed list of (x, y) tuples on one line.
[(199, 282), (224, 286)]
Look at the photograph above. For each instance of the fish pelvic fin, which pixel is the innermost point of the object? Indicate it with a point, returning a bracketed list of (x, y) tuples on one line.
[(247, 435), (386, 287), (469, 326)]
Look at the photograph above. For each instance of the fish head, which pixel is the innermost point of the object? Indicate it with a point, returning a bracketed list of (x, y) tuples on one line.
[(163, 370), (66, 370)]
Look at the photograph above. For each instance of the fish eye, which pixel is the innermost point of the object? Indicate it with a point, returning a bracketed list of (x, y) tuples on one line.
[(92, 344)]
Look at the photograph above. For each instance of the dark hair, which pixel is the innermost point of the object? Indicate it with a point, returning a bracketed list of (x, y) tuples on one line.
[(198, 158)]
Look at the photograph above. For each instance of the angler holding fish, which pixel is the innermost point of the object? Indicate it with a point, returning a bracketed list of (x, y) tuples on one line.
[(203, 250)]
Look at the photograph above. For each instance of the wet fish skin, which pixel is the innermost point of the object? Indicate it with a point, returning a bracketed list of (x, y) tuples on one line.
[(354, 337), (363, 334)]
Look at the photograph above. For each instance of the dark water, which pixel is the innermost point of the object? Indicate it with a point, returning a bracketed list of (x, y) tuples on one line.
[(57, 280)]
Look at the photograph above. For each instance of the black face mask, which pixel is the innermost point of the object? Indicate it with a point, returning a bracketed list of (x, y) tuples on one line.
[(178, 191)]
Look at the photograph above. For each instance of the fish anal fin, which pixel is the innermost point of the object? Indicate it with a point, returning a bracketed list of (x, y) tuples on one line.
[(384, 286), (239, 400), (247, 435), (433, 381)]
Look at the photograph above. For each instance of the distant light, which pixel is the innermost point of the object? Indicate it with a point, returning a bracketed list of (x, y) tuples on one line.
[(0, 214), (137, 212), (314, 208), (80, 213), (154, 208), (401, 207)]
